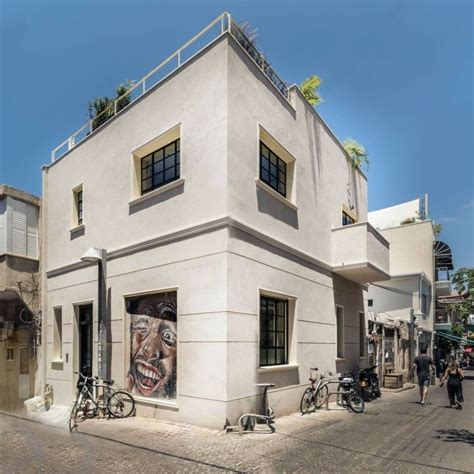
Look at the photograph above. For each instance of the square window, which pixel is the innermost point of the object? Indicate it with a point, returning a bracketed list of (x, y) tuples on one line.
[(165, 165)]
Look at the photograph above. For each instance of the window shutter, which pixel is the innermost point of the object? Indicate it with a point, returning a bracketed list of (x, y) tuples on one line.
[(32, 231), (19, 227)]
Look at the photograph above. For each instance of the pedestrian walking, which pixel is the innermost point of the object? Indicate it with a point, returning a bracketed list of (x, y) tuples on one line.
[(455, 375), (423, 364)]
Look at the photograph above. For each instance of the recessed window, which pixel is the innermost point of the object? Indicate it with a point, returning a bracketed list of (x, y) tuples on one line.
[(78, 206), (340, 332), (160, 167), (273, 331), (58, 334), (347, 219), (276, 171), (370, 303), (272, 169), (10, 353)]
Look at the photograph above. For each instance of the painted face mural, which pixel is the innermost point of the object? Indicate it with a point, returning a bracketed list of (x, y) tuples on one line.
[(152, 345)]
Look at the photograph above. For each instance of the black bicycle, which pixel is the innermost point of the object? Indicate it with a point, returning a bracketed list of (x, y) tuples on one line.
[(95, 397)]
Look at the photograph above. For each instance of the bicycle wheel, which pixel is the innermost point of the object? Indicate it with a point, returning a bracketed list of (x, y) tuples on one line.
[(355, 402), (321, 396), (120, 404), (307, 404), (73, 417)]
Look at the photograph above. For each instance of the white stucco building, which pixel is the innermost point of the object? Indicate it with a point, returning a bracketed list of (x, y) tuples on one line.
[(408, 297), (219, 196)]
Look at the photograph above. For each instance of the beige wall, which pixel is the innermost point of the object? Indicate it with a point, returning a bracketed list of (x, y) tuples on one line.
[(223, 238), (411, 249)]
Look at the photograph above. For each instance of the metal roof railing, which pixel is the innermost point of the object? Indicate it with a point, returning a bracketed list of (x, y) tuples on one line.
[(218, 27)]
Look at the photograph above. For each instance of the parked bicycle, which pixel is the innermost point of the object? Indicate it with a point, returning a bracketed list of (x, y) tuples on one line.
[(318, 394), (95, 397)]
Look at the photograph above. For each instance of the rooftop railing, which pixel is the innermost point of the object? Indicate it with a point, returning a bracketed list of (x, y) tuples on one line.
[(213, 31)]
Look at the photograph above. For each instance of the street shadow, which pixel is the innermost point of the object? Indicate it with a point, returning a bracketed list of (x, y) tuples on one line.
[(455, 436)]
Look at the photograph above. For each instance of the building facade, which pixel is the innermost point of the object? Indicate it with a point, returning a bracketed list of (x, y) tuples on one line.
[(401, 310), (20, 299), (227, 261)]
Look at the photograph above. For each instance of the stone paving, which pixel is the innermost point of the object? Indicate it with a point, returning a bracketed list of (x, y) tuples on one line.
[(396, 434)]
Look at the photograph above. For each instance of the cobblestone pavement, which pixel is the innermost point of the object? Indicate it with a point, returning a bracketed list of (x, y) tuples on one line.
[(396, 434)]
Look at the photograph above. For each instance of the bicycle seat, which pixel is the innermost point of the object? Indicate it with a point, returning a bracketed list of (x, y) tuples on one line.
[(264, 384), (109, 382)]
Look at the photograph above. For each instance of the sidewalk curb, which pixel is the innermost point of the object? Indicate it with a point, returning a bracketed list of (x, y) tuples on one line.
[(407, 386)]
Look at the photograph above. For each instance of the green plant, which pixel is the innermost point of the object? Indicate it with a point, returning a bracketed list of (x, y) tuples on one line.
[(463, 282), (309, 88), (356, 152), (437, 229), (408, 220), (101, 109)]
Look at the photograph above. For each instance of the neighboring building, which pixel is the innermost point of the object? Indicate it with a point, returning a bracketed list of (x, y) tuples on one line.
[(19, 295), (219, 196), (401, 309)]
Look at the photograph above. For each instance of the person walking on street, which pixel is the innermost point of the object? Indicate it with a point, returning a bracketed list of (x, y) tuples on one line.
[(423, 364), (455, 375)]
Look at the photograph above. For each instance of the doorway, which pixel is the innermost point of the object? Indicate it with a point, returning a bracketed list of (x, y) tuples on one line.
[(85, 339)]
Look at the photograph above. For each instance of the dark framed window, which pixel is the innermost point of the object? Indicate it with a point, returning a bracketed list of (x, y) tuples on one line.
[(79, 207), (160, 167), (370, 303), (347, 219), (273, 331), (272, 170)]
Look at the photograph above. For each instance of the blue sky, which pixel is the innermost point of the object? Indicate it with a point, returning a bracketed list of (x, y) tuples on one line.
[(398, 77)]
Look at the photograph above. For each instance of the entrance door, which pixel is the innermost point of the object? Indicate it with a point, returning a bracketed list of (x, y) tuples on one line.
[(85, 339), (24, 375)]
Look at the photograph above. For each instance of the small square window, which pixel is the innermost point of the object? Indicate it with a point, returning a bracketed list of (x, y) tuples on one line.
[(165, 166), (370, 303), (347, 219)]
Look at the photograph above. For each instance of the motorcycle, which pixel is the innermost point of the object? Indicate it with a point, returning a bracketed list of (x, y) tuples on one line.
[(369, 384)]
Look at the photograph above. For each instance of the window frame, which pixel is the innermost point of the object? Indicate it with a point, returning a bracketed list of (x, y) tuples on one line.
[(176, 166), (78, 206), (340, 347), (263, 334), (281, 170), (10, 353), (57, 334), (347, 219)]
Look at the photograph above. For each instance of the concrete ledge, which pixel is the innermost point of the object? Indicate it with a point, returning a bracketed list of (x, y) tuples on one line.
[(406, 386)]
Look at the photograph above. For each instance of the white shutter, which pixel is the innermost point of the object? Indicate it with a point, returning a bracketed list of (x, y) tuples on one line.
[(32, 231), (19, 227), (3, 226)]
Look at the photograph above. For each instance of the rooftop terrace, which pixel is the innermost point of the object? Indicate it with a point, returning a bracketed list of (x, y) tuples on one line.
[(223, 24)]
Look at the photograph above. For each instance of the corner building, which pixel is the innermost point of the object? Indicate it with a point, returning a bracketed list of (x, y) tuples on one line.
[(220, 201)]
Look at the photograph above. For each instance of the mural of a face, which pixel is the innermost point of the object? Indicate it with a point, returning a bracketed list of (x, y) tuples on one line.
[(153, 346)]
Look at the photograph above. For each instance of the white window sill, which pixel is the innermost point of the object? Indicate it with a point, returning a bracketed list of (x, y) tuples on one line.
[(156, 192), (173, 404), (276, 368), (275, 194), (77, 228)]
